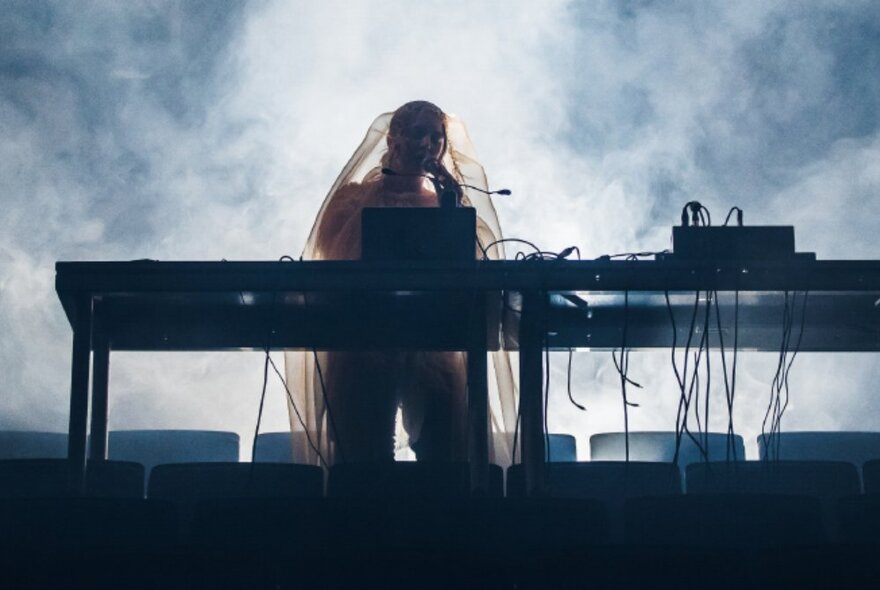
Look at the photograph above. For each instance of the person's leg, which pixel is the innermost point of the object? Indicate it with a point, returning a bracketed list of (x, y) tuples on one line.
[(435, 405), (362, 404)]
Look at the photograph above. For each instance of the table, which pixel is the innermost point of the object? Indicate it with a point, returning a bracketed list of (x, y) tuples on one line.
[(149, 305)]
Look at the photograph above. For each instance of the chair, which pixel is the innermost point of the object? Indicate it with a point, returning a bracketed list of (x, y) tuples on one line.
[(189, 482), (822, 479), (234, 486), (853, 447), (401, 479), (605, 480), (611, 482), (77, 522), (859, 518), (87, 542), (155, 447), (25, 444), (660, 447), (562, 447), (33, 478), (274, 447), (278, 447), (871, 476), (828, 481), (724, 520)]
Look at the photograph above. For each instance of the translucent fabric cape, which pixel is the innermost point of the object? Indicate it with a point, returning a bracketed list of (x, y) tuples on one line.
[(309, 418)]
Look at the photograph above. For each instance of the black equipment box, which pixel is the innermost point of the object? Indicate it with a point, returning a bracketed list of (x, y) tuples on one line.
[(418, 233), (753, 242)]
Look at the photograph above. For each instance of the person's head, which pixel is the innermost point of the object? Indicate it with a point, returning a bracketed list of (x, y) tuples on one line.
[(417, 133)]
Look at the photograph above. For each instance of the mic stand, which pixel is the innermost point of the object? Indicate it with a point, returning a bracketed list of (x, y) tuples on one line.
[(447, 197)]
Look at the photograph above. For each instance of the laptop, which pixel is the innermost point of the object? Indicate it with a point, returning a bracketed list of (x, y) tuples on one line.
[(418, 233)]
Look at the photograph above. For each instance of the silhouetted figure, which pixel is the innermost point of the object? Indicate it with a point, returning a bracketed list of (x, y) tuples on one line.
[(365, 389)]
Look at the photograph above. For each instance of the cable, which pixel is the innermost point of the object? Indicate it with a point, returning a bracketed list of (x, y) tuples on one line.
[(687, 392), (267, 362), (773, 406), (733, 371), (728, 394), (622, 370), (699, 215), (538, 255), (780, 393), (327, 405), (708, 372), (739, 216), (262, 398), (267, 348), (797, 348), (485, 249), (546, 403), (568, 383), (683, 400), (298, 415), (631, 255)]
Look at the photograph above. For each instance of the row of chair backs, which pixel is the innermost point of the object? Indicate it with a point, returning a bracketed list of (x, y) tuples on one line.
[(649, 446), (29, 478), (661, 447), (147, 447), (638, 499), (609, 481), (32, 478), (154, 447)]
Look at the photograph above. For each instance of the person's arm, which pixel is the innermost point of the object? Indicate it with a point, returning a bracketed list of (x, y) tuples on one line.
[(339, 229)]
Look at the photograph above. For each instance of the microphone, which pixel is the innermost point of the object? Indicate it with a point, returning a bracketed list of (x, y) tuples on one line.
[(432, 166), (391, 172)]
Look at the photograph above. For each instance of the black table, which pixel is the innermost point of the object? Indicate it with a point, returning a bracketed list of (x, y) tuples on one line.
[(148, 305)]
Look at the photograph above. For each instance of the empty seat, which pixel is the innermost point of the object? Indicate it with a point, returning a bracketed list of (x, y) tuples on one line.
[(828, 481), (32, 478), (611, 482), (871, 476), (515, 529), (859, 518), (197, 481), (853, 447), (387, 542), (77, 522), (276, 447), (23, 444), (660, 447), (407, 479), (155, 447), (823, 479), (562, 447), (606, 480), (736, 520)]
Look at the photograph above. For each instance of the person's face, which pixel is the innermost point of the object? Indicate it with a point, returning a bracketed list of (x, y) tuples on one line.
[(424, 140)]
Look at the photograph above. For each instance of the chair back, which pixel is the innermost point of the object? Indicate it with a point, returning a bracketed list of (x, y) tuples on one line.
[(26, 444), (47, 478), (660, 447), (404, 479), (188, 482)]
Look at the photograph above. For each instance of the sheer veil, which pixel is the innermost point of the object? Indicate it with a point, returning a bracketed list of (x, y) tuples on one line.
[(310, 427)]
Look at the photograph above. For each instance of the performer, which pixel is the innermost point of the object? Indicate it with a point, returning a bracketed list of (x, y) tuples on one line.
[(365, 389)]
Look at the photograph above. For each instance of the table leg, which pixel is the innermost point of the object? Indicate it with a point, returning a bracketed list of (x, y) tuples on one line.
[(478, 403), (100, 386), (531, 350), (79, 394)]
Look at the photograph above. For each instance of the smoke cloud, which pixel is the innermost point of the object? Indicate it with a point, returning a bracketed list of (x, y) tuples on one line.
[(205, 130)]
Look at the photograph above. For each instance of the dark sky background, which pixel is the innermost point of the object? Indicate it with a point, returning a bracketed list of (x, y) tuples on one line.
[(180, 130)]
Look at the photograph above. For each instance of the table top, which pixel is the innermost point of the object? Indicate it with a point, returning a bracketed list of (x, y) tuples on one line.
[(150, 305)]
